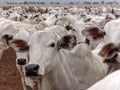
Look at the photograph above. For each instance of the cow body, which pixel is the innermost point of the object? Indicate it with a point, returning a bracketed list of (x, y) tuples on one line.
[(110, 82), (70, 68)]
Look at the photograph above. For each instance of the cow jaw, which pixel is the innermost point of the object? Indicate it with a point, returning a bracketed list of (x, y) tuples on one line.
[(3, 47), (1, 53)]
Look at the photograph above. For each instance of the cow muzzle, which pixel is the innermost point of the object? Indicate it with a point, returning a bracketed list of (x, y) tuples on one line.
[(21, 61), (31, 70)]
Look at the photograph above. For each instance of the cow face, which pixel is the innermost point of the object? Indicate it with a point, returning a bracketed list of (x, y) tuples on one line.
[(75, 28), (21, 48), (110, 17), (44, 52), (4, 43)]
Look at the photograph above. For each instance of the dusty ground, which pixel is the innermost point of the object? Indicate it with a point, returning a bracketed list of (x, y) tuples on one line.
[(9, 76)]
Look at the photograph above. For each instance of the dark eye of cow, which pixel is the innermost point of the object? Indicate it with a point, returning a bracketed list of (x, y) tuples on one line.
[(73, 29), (52, 45)]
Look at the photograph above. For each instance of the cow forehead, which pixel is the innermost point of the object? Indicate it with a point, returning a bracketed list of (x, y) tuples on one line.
[(22, 55), (41, 37)]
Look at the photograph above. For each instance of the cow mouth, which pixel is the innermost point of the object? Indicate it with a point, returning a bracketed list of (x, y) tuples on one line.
[(35, 77), (21, 64)]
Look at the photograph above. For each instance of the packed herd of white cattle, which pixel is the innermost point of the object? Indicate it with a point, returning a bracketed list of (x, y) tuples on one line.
[(63, 48)]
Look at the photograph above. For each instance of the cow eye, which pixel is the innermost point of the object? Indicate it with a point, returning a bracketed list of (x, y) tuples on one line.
[(73, 29), (52, 45)]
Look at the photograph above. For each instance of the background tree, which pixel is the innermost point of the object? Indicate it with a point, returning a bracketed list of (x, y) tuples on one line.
[(95, 2), (102, 2), (85, 2), (71, 2)]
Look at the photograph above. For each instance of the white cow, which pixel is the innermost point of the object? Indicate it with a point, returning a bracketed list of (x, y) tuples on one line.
[(59, 68), (73, 26), (112, 30), (111, 34), (18, 24), (11, 30), (111, 82), (6, 29), (94, 35), (22, 54), (20, 34), (102, 20), (12, 27)]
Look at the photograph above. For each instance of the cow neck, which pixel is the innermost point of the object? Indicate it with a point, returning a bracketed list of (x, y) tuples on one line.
[(51, 66), (63, 74), (113, 64)]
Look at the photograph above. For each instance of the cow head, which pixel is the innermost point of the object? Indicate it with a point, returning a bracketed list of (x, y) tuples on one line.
[(21, 48), (109, 52), (110, 17), (18, 45), (93, 33), (44, 52), (75, 28), (4, 43)]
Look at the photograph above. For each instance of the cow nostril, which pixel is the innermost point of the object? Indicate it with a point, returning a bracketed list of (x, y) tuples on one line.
[(35, 67), (21, 61), (32, 70)]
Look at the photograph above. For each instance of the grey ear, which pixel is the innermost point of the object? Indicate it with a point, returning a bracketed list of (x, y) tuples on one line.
[(19, 45), (117, 16), (6, 38), (87, 20), (67, 42)]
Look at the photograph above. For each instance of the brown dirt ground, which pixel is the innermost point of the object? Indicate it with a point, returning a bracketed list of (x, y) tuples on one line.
[(9, 76)]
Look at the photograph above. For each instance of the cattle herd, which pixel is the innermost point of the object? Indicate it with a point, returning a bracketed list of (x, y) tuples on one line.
[(63, 48)]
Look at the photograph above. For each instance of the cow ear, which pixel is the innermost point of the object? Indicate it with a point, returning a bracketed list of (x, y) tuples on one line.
[(109, 51), (93, 33), (19, 45), (117, 16), (67, 42), (6, 38), (87, 20)]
